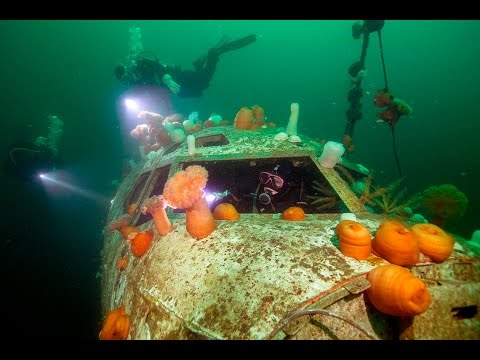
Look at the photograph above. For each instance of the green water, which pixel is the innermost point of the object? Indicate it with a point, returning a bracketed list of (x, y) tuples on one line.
[(66, 68)]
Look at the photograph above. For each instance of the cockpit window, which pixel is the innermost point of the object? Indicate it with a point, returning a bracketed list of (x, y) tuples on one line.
[(269, 185), (133, 196)]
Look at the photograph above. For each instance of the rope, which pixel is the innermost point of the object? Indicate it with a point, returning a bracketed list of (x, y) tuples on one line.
[(395, 150), (383, 60), (366, 41), (392, 127)]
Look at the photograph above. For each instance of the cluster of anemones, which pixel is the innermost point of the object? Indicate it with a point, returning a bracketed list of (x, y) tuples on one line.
[(251, 118), (394, 289), (394, 242), (152, 135), (158, 132)]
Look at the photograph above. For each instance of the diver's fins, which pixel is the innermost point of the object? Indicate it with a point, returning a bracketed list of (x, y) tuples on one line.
[(200, 63), (233, 45), (223, 46)]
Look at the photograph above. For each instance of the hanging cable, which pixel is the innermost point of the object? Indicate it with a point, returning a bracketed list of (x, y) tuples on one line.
[(392, 124), (395, 151), (383, 60)]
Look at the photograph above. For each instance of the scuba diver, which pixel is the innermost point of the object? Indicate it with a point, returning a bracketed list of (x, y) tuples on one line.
[(279, 188), (144, 68), (27, 160)]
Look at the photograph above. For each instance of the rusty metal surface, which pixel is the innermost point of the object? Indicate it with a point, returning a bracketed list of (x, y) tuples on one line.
[(241, 286), (243, 144), (456, 269), (356, 287), (444, 320), (354, 308), (248, 276), (455, 289), (235, 286)]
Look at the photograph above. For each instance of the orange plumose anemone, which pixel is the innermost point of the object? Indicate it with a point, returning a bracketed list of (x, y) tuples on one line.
[(433, 241), (155, 205), (225, 211), (294, 213), (354, 238), (396, 244), (243, 119), (396, 291), (116, 325), (141, 242), (259, 115), (185, 191)]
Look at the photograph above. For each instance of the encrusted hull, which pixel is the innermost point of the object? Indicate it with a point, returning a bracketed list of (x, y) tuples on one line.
[(262, 277)]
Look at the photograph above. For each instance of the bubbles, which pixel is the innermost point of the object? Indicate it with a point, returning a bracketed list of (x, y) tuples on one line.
[(135, 43), (55, 132)]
